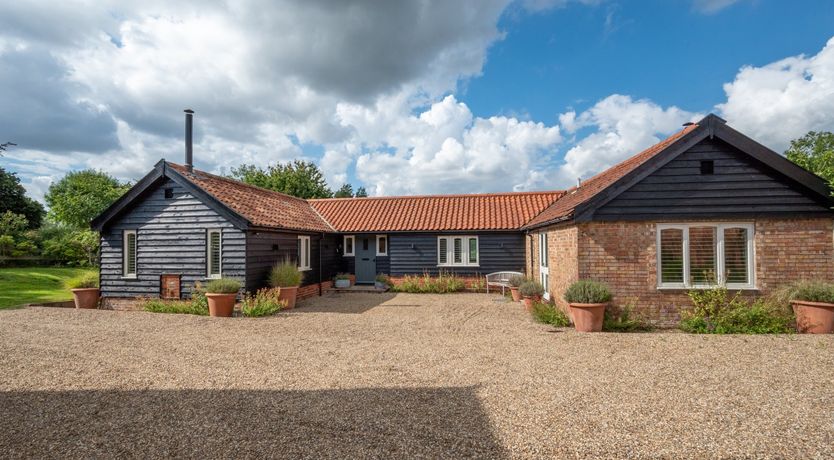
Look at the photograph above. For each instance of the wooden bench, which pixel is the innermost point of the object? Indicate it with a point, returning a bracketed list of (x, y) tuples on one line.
[(501, 279)]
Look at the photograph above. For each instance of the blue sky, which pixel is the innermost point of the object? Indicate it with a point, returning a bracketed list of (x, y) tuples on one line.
[(402, 97)]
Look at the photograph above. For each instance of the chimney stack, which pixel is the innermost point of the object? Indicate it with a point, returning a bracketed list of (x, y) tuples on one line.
[(189, 149)]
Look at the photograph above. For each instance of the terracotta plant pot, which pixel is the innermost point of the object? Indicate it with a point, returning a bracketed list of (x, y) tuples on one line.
[(221, 304), (529, 301), (587, 317), (813, 317), (86, 298), (516, 295), (288, 294)]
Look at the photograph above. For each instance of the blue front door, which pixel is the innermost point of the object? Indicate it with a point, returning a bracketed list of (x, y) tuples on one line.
[(365, 259)]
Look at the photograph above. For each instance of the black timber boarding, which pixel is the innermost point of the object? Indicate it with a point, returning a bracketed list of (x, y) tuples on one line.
[(416, 253), (739, 186), (265, 249), (170, 239)]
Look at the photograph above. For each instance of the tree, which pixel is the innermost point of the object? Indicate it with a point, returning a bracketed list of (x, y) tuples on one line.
[(13, 198), (814, 152), (346, 191), (297, 178), (361, 193), (5, 146), (81, 196)]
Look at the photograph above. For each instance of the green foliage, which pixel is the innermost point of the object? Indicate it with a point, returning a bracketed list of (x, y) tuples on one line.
[(83, 281), (516, 280), (587, 291), (7, 245), (715, 312), (35, 284), (81, 196), (285, 274), (13, 224), (265, 302), (478, 285), (531, 288), (223, 286), (341, 276), (345, 191), (814, 152), (361, 193), (809, 291), (13, 198), (302, 179), (68, 246), (427, 284), (546, 313), (383, 278), (624, 320), (198, 305)]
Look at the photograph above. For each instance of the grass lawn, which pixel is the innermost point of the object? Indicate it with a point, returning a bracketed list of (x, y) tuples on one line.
[(34, 284)]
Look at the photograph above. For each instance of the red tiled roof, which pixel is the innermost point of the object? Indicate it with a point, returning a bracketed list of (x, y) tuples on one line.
[(494, 211), (565, 206), (261, 207)]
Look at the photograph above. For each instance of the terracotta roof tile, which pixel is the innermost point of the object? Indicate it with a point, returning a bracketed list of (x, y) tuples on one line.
[(495, 211), (575, 196), (261, 207)]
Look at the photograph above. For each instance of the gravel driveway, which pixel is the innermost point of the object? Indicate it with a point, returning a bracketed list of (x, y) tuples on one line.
[(401, 376)]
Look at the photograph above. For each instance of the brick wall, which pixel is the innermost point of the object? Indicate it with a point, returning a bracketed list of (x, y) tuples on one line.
[(623, 255), (563, 265)]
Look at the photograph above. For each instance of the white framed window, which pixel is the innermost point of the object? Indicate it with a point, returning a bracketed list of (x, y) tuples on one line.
[(129, 254), (543, 249), (382, 245), (214, 253), (349, 246), (703, 255), (303, 253), (457, 251)]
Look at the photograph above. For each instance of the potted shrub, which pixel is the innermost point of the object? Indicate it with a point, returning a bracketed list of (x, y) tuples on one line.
[(587, 300), (85, 291), (382, 281), (813, 304), (287, 277), (515, 282), (221, 294), (531, 291), (342, 281)]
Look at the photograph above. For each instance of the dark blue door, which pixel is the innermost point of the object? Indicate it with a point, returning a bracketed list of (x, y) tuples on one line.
[(365, 259)]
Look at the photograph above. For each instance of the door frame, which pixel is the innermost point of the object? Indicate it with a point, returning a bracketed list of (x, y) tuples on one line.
[(362, 253), (544, 265)]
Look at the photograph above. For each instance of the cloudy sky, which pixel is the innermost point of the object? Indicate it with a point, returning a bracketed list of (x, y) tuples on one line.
[(428, 96)]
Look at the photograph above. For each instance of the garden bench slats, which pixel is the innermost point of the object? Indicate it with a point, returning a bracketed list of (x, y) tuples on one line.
[(501, 279)]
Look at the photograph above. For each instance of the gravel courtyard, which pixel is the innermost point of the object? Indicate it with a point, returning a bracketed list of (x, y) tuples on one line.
[(384, 375)]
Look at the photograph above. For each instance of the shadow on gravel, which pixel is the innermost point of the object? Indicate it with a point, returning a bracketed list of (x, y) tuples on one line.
[(343, 303), (372, 422)]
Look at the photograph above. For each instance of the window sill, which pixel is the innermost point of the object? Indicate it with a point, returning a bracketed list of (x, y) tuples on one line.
[(349, 255), (702, 288), (382, 255), (458, 266), (303, 269), (134, 277)]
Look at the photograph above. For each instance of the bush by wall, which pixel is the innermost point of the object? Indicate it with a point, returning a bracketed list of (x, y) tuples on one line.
[(265, 302), (546, 313), (714, 311), (426, 284)]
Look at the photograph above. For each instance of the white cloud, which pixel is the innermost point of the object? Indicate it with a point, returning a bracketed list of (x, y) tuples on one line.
[(783, 100), (712, 6)]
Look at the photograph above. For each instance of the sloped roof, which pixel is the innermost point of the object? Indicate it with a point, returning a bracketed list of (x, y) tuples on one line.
[(564, 207), (261, 207), (494, 211)]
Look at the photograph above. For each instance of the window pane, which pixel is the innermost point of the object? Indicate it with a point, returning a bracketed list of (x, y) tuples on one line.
[(443, 250), (543, 249), (473, 251), (702, 255), (364, 244), (382, 246), (214, 253), (671, 255), (458, 256), (348, 245), (735, 255), (130, 269)]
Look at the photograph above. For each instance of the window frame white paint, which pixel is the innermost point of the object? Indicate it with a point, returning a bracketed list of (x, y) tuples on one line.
[(304, 252), (209, 274), (450, 251), (378, 252), (125, 274), (544, 264), (352, 239), (719, 255)]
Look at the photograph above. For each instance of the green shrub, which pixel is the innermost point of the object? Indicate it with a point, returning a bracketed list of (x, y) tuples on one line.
[(715, 312), (223, 286), (546, 313), (285, 274), (531, 288), (83, 281), (265, 302), (587, 291), (383, 278), (478, 285), (809, 291), (340, 276), (516, 280), (623, 321), (198, 305), (426, 284)]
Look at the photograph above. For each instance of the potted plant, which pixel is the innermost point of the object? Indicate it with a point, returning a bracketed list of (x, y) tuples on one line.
[(342, 281), (85, 290), (587, 300), (531, 291), (813, 304), (515, 282), (382, 281), (221, 294), (287, 277)]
